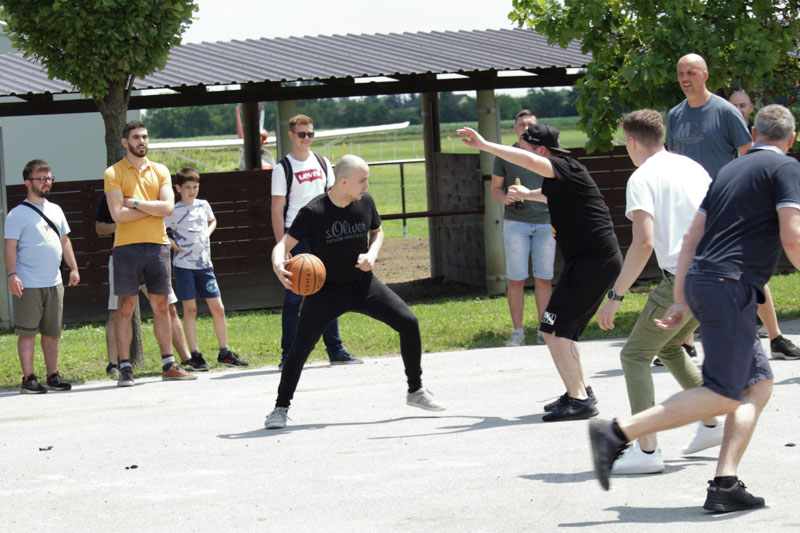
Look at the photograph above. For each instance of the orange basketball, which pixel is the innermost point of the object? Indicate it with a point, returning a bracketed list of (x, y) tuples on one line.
[(308, 274)]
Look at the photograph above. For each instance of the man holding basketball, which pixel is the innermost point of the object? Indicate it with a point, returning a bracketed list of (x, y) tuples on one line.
[(343, 229)]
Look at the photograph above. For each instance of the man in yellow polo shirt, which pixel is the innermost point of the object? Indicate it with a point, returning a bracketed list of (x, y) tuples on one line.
[(139, 194)]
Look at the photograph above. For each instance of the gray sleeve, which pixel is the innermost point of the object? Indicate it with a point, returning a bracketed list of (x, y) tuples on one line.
[(498, 168)]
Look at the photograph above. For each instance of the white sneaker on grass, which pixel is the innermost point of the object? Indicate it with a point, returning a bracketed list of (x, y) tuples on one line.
[(424, 400), (277, 418), (635, 461), (517, 338), (704, 438)]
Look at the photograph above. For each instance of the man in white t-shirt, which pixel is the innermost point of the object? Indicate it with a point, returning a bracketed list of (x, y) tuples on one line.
[(662, 198), (300, 177)]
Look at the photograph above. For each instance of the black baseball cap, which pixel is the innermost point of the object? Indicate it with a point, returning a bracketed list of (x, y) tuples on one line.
[(543, 135)]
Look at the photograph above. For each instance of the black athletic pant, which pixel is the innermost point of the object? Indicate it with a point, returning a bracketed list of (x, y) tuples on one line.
[(369, 297)]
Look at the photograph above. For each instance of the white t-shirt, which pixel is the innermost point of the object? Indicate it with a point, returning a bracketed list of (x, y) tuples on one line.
[(189, 225), (308, 182), (670, 187), (38, 247)]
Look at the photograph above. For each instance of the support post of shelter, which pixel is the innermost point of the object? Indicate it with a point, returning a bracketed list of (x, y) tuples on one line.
[(433, 144), (6, 305), (251, 131), (489, 128), (286, 110)]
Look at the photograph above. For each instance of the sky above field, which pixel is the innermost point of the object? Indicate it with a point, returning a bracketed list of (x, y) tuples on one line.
[(224, 20)]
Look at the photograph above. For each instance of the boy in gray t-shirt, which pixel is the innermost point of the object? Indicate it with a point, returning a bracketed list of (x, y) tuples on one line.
[(191, 224)]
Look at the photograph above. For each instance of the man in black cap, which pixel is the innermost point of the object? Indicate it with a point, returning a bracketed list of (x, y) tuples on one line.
[(592, 259)]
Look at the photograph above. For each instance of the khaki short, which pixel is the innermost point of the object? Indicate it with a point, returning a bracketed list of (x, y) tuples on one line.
[(39, 310)]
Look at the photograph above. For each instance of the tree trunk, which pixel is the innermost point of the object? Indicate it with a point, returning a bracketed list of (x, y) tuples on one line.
[(114, 110)]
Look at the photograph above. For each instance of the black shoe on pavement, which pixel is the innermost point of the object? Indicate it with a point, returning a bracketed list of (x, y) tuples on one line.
[(564, 399), (736, 498), (195, 364), (112, 371), (574, 410), (54, 382), (31, 385), (783, 348), (125, 377), (606, 448), (344, 358), (229, 358)]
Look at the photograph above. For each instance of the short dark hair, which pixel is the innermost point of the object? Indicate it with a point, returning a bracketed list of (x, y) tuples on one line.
[(31, 166), (186, 174), (644, 125), (525, 113), (132, 125)]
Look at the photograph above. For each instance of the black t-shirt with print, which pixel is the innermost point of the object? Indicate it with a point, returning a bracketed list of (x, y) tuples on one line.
[(337, 235), (578, 213)]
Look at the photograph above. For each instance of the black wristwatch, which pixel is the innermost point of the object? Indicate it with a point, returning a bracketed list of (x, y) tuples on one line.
[(612, 295)]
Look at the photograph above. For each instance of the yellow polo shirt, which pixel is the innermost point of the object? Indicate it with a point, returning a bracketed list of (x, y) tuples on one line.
[(144, 185)]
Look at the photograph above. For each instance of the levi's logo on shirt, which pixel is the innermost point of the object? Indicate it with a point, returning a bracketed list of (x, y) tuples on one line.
[(308, 175)]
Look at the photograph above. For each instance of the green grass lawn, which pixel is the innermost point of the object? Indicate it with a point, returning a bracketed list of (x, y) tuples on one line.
[(451, 324)]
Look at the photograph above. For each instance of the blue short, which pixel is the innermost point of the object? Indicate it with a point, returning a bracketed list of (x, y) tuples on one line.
[(522, 241), (726, 309), (191, 283)]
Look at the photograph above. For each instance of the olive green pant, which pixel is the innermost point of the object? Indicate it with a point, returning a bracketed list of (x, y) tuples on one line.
[(648, 340)]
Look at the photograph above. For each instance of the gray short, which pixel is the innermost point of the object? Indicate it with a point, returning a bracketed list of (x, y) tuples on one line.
[(148, 262), (39, 309), (113, 299)]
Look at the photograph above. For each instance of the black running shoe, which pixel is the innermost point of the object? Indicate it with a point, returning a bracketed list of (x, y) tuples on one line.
[(31, 385), (574, 410), (112, 371), (606, 448), (564, 399), (344, 358), (195, 364), (54, 382), (231, 359), (125, 377), (736, 498), (783, 348)]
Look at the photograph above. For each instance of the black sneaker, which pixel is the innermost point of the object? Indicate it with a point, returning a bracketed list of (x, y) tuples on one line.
[(783, 348), (736, 498), (54, 382), (690, 351), (574, 410), (112, 371), (344, 358), (606, 448), (229, 358), (31, 385), (195, 364), (125, 377), (564, 399)]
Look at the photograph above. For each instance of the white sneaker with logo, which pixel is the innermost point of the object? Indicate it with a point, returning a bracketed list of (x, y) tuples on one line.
[(424, 400), (704, 438)]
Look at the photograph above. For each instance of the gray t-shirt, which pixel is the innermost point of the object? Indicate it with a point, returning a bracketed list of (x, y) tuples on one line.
[(530, 212), (38, 247), (189, 225), (709, 134)]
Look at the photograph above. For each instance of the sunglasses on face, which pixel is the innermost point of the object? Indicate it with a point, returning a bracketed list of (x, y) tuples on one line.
[(304, 134)]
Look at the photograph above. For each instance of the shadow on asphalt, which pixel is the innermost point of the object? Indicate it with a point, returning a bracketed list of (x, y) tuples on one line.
[(660, 515)]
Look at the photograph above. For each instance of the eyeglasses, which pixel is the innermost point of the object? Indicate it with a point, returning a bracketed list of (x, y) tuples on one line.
[(42, 180), (304, 134)]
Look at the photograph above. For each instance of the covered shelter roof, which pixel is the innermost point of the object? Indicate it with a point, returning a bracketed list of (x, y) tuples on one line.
[(296, 68)]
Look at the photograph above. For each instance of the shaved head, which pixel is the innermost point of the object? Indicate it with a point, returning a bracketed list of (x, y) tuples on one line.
[(743, 103), (695, 61), (692, 76), (348, 166)]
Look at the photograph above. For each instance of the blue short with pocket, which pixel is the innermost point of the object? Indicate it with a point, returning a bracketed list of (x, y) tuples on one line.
[(524, 241), (726, 309), (191, 283)]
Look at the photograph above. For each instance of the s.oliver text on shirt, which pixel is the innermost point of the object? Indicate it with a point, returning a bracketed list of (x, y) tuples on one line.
[(341, 230)]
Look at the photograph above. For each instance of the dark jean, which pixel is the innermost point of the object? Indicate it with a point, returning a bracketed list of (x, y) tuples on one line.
[(291, 314)]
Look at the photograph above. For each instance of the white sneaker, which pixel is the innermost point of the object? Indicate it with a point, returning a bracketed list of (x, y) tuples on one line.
[(705, 438), (517, 338), (635, 461), (424, 400), (277, 418)]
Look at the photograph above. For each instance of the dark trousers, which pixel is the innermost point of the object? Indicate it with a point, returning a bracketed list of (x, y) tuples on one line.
[(369, 297), (291, 313)]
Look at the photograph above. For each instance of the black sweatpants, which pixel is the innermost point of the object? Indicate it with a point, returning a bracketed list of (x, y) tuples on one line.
[(369, 297)]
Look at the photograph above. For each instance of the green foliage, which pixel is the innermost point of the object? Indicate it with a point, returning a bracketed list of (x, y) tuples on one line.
[(94, 43), (635, 46), (192, 121)]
